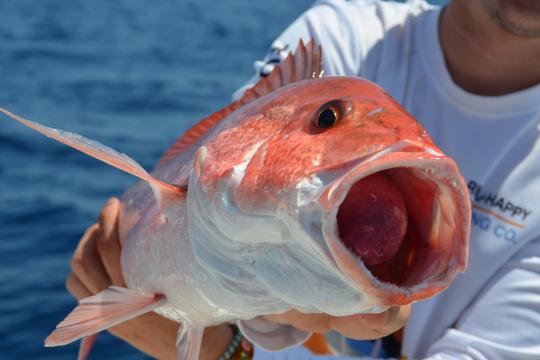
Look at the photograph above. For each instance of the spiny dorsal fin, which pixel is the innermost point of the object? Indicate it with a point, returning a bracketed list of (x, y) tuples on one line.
[(305, 63)]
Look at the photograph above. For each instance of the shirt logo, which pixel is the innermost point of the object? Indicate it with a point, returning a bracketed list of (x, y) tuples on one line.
[(496, 214), (275, 55)]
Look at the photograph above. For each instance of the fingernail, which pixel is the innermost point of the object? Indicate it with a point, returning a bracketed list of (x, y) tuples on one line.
[(111, 201)]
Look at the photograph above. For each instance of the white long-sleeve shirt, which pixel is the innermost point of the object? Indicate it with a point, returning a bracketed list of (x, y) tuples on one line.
[(493, 310)]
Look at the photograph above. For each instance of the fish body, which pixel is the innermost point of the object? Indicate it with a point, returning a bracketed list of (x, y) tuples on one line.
[(314, 193)]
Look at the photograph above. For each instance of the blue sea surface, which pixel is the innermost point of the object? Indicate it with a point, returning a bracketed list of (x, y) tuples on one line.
[(131, 74)]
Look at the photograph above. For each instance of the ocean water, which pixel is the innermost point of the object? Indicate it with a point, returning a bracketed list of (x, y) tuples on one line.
[(131, 74)]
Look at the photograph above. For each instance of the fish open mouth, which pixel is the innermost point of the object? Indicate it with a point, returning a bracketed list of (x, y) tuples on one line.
[(405, 220), (391, 220)]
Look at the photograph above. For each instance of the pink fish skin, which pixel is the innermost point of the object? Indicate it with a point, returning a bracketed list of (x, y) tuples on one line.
[(320, 194)]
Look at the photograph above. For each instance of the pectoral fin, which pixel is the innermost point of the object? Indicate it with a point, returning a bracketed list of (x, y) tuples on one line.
[(99, 151), (188, 341), (106, 309), (86, 345)]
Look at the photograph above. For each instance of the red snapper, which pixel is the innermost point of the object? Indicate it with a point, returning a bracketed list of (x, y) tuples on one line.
[(315, 193)]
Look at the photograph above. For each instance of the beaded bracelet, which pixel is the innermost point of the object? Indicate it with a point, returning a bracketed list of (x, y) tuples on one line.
[(239, 348)]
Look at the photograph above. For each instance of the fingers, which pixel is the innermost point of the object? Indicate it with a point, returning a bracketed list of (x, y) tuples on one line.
[(86, 262), (362, 326), (76, 287), (306, 322), (96, 261), (371, 326), (108, 241)]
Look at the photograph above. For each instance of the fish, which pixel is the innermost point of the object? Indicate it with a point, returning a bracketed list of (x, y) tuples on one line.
[(310, 192)]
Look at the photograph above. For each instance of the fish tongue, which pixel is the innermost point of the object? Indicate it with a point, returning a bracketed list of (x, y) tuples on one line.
[(372, 220)]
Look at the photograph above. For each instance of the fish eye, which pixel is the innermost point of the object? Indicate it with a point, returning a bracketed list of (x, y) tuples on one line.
[(326, 118), (328, 115)]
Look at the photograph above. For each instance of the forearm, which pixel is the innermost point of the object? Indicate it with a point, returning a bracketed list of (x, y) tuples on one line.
[(161, 342), (216, 339), (151, 334)]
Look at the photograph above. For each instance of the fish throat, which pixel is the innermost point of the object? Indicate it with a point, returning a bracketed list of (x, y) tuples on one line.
[(372, 220), (391, 221)]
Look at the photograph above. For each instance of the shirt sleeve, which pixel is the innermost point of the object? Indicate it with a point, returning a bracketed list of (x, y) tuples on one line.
[(504, 320), (333, 24)]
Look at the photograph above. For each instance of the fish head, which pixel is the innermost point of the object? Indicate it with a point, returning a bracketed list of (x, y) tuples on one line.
[(346, 165)]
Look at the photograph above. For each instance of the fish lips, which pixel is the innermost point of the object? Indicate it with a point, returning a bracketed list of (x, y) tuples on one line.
[(435, 246)]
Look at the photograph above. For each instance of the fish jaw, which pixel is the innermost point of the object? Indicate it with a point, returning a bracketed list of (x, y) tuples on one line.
[(435, 246)]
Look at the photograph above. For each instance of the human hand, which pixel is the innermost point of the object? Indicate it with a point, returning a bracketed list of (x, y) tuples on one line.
[(96, 265), (361, 326)]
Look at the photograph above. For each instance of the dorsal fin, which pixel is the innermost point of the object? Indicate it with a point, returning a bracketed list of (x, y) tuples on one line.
[(306, 63)]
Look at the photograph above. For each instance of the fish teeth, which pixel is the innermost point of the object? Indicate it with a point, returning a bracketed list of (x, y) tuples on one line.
[(439, 173)]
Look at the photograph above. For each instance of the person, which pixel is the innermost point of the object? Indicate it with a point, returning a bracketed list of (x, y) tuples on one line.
[(469, 72)]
